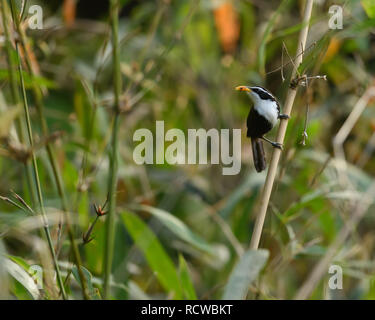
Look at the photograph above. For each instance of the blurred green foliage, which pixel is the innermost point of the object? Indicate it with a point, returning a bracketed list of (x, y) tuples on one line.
[(180, 62)]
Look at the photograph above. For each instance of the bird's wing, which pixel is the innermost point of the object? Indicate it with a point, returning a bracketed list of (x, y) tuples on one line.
[(278, 106)]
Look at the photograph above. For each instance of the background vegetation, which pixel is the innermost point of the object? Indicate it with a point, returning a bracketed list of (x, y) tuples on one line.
[(180, 230)]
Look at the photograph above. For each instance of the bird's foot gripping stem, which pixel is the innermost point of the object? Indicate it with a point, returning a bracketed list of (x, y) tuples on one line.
[(277, 145), (284, 116), (274, 144)]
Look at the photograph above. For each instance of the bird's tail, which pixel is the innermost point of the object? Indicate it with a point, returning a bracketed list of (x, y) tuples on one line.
[(258, 154)]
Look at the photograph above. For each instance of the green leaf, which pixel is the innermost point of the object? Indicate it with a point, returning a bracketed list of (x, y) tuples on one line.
[(305, 201), (186, 283), (369, 7), (3, 273), (20, 261), (179, 228), (315, 250), (41, 81), (21, 7), (244, 273), (83, 111), (313, 53), (154, 253), (23, 277), (289, 30), (92, 291), (371, 291)]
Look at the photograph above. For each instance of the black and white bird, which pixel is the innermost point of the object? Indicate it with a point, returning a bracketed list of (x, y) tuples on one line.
[(261, 119)]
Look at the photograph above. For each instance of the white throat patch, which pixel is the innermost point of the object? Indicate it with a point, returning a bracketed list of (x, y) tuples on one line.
[(266, 108)]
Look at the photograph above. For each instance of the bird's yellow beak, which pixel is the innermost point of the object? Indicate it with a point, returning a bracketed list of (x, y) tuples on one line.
[(242, 88)]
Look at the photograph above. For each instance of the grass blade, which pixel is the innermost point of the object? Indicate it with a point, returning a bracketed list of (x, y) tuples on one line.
[(244, 273), (23, 277), (179, 228), (186, 282)]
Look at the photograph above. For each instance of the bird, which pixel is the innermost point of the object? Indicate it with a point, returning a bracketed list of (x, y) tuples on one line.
[(262, 118)]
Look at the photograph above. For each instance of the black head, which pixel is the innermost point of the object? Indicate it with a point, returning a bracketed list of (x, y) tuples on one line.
[(258, 91), (263, 93)]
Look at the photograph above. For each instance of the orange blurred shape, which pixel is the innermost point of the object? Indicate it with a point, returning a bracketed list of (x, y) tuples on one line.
[(227, 25), (333, 48), (69, 12)]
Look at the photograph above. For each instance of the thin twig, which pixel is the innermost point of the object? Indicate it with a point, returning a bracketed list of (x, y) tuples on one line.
[(282, 63), (291, 60), (23, 202), (304, 133), (321, 170), (349, 123), (13, 203), (305, 81), (86, 238), (342, 134), (113, 152)]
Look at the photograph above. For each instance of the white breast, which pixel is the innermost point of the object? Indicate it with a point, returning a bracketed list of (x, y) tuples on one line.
[(267, 109)]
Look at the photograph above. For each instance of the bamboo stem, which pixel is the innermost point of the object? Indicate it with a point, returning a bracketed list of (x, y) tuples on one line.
[(21, 132), (38, 97), (267, 189), (36, 178), (113, 152)]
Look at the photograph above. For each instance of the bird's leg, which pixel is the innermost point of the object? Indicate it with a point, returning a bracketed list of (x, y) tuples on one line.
[(284, 116), (273, 144)]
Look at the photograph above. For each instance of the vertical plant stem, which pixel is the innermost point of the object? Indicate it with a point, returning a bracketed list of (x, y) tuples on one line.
[(267, 189), (16, 96), (37, 181), (113, 152), (38, 97)]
